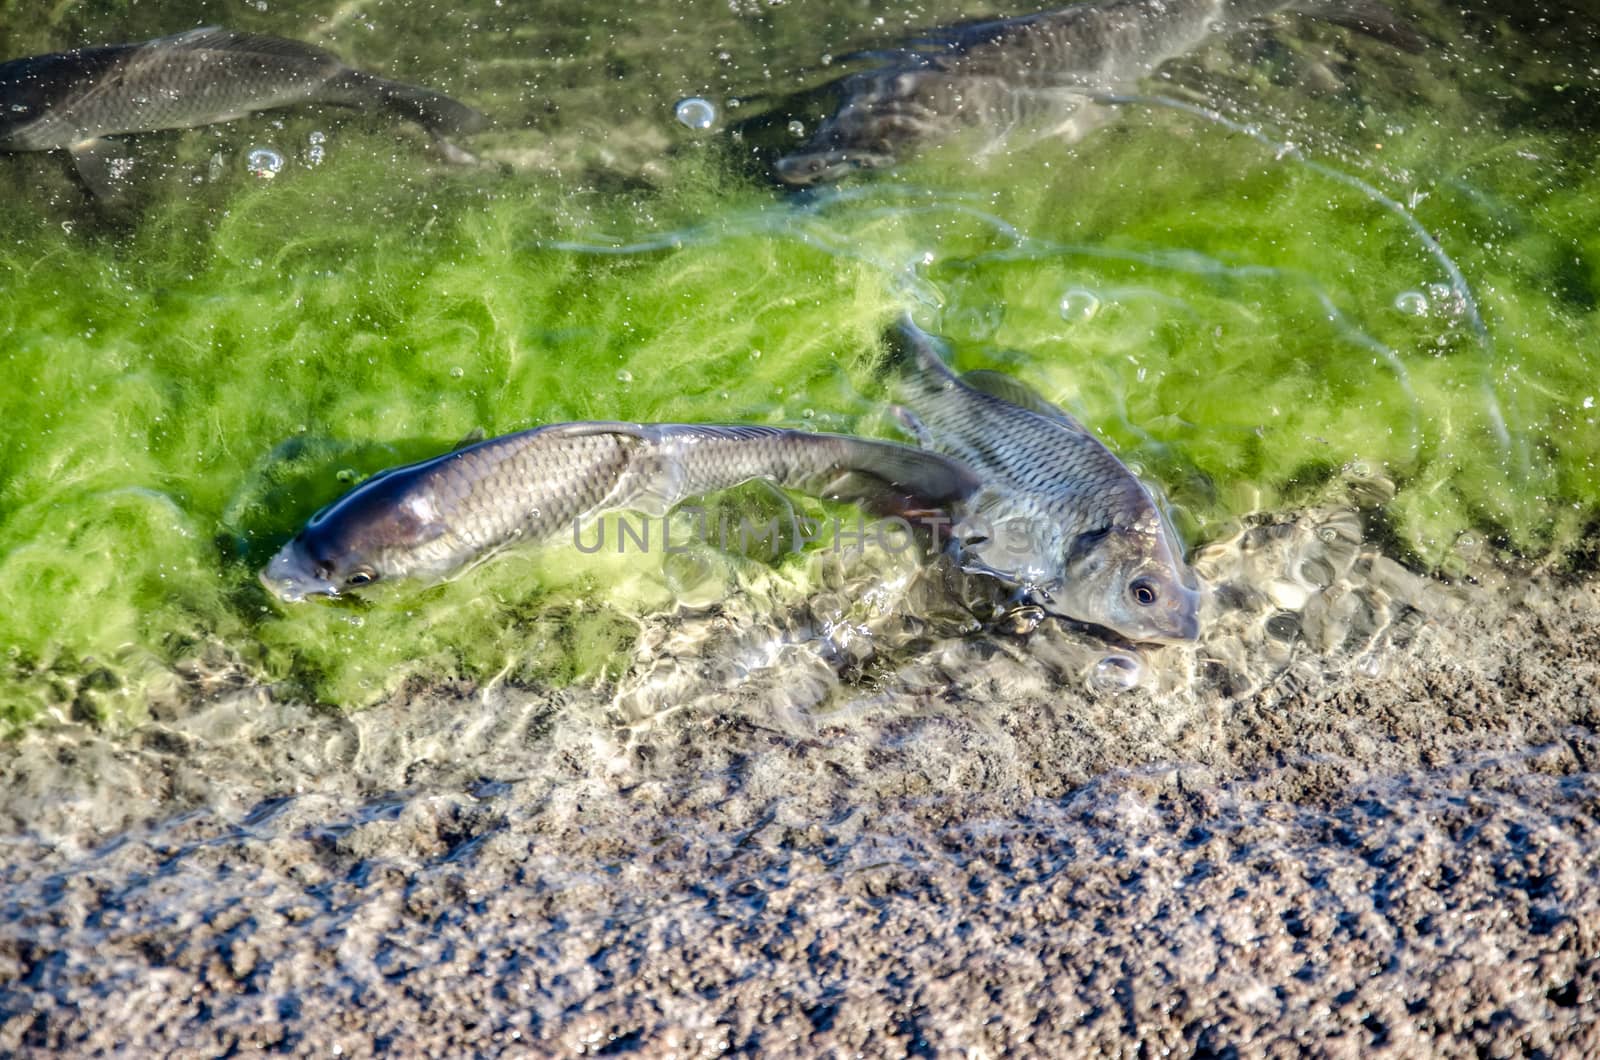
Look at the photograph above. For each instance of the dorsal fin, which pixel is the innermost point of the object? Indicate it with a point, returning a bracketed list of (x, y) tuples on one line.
[(199, 37), (219, 38)]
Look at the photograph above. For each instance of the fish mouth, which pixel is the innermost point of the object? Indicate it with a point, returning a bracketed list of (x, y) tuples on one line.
[(819, 167), (1180, 625), (1185, 631), (286, 578)]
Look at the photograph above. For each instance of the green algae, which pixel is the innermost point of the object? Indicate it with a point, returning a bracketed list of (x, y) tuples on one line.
[(186, 386)]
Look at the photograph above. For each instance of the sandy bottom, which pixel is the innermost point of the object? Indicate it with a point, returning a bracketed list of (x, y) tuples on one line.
[(1363, 815)]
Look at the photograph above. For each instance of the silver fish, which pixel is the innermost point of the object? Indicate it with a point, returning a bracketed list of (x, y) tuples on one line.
[(432, 519), (73, 100), (1058, 514), (1041, 71)]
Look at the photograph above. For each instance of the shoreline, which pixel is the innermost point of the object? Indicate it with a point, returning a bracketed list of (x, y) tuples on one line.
[(972, 850)]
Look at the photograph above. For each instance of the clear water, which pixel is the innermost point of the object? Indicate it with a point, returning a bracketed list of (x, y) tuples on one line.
[(1299, 259), (1336, 300)]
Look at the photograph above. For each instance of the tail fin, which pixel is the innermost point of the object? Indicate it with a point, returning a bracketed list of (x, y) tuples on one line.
[(915, 353), (434, 111), (891, 478), (1371, 17)]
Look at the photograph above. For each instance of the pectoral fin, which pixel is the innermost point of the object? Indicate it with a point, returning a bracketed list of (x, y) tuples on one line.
[(104, 166)]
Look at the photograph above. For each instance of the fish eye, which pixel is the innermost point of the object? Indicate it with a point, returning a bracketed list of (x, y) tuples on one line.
[(1144, 592), (360, 577)]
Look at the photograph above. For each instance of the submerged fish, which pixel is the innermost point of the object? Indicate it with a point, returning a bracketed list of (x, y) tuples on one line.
[(1042, 70), (1058, 513), (433, 518), (73, 100)]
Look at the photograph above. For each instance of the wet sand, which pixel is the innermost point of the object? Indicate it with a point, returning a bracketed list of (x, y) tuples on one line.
[(1363, 816)]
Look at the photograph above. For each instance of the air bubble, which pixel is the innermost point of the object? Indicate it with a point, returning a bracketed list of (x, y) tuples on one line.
[(457, 372), (263, 162), (695, 113), (1117, 672), (1079, 304), (978, 322), (317, 152), (797, 128), (624, 376), (1412, 303)]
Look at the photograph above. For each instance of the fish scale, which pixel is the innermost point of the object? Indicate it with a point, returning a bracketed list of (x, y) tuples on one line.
[(72, 100), (1043, 71), (1086, 486), (1058, 514), (433, 518)]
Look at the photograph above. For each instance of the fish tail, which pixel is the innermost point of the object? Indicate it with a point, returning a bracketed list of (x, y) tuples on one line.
[(434, 111), (916, 357), (887, 477), (1372, 17)]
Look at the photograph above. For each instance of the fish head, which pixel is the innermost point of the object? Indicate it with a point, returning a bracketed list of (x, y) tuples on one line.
[(858, 136), (374, 532), (1131, 581), (46, 89), (26, 97), (822, 165)]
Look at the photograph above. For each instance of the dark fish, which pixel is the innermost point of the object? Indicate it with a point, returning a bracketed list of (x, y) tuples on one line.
[(73, 100), (433, 518), (1041, 71), (1058, 513)]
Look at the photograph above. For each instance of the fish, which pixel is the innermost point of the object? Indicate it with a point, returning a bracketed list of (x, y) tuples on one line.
[(433, 519), (1049, 71), (1058, 515), (75, 100)]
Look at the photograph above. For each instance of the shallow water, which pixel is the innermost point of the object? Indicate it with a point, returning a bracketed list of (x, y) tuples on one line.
[(1301, 252), (1334, 300)]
